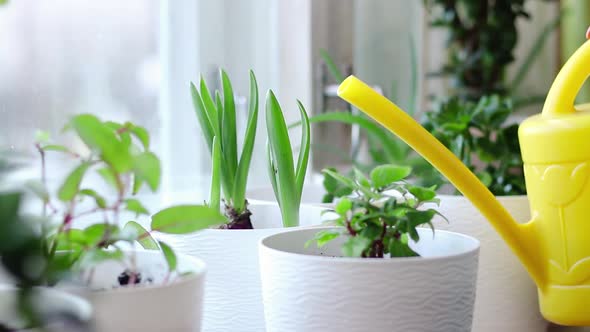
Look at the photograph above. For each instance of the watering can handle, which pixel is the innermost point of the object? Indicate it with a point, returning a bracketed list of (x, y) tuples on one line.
[(569, 81)]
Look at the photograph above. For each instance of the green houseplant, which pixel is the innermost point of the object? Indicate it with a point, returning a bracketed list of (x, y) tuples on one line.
[(381, 215), (380, 220), (217, 119), (81, 230)]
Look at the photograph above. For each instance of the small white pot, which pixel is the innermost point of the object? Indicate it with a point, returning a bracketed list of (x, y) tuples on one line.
[(311, 289), (233, 300), (503, 287), (49, 304), (160, 305)]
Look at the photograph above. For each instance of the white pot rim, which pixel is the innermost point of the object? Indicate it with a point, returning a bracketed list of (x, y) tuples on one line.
[(472, 243), (199, 271)]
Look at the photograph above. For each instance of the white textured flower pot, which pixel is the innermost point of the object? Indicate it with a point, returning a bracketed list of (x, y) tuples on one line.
[(49, 303), (233, 300), (504, 289), (503, 286), (311, 290), (160, 305)]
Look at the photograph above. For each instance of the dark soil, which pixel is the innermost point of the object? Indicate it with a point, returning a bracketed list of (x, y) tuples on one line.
[(127, 276), (237, 220)]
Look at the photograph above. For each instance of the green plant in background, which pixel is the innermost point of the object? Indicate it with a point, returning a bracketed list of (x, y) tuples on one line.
[(286, 177), (217, 119), (473, 121), (119, 154), (383, 146), (382, 215), (477, 129)]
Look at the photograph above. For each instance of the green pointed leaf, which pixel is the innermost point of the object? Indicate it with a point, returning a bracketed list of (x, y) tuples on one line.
[(141, 235), (183, 219), (301, 170), (135, 205), (422, 194), (147, 168), (102, 232), (71, 185), (142, 135), (169, 255), (98, 199), (228, 127), (213, 112), (241, 180), (215, 192), (41, 136), (384, 175), (202, 117), (400, 249)]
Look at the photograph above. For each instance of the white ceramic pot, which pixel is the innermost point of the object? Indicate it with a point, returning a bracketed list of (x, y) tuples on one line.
[(311, 289), (503, 287), (60, 311), (159, 305), (233, 301)]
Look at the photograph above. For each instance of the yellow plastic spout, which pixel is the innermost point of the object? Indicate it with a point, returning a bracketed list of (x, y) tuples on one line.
[(401, 124)]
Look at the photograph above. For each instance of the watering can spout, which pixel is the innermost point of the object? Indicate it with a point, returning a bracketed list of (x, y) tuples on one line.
[(520, 237)]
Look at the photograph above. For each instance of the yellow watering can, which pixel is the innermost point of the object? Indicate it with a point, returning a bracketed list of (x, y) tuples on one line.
[(554, 246)]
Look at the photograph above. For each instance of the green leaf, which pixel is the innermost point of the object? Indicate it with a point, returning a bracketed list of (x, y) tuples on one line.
[(97, 233), (201, 113), (322, 238), (215, 192), (137, 183), (332, 67), (142, 135), (54, 147), (384, 175), (343, 206), (98, 199), (241, 180), (421, 193), (400, 249), (141, 235), (71, 185), (135, 205), (361, 179), (41, 136), (281, 159), (109, 176), (228, 128), (301, 170), (355, 246), (94, 257), (97, 136), (169, 255), (348, 183), (147, 168), (184, 219), (392, 147)]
